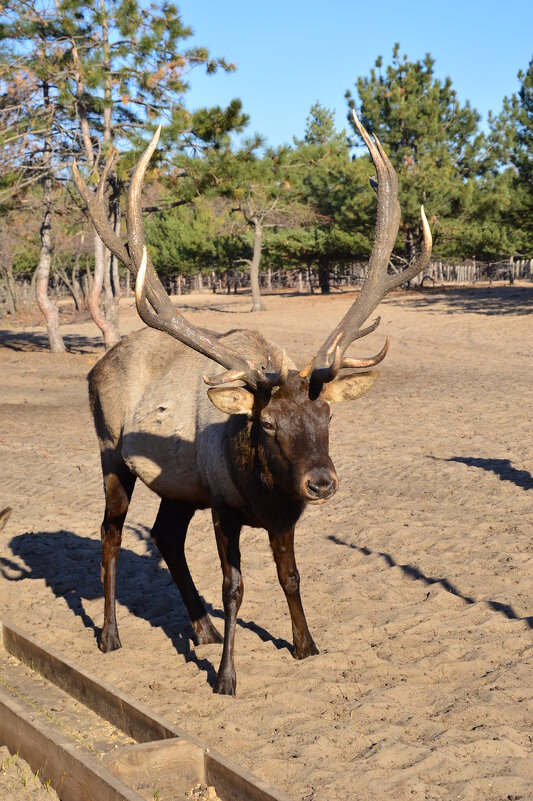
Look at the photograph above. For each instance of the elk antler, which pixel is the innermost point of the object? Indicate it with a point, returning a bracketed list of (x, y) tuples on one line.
[(149, 288), (330, 357)]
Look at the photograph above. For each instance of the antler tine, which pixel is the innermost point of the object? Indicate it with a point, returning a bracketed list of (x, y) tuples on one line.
[(224, 378), (329, 358), (95, 205), (268, 379), (166, 317), (136, 240), (145, 313), (148, 287), (134, 223), (105, 174), (97, 212), (204, 342), (422, 259), (371, 362)]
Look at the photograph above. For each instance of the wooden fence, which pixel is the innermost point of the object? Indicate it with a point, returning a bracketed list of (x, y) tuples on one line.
[(306, 281), (300, 281), (470, 272)]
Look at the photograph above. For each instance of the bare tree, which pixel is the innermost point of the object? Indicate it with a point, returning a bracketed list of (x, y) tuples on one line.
[(48, 308), (34, 145)]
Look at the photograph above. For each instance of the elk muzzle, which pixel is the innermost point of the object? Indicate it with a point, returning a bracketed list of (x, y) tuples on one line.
[(319, 484)]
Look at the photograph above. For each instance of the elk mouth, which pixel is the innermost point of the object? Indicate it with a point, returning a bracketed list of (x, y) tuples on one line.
[(319, 485)]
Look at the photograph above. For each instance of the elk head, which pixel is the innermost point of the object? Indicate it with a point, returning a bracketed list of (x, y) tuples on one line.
[(287, 411)]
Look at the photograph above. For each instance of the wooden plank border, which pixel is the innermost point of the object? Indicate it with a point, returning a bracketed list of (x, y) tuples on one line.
[(73, 775), (233, 783), (131, 717)]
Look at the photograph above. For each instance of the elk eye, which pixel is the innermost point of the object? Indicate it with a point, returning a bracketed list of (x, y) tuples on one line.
[(268, 426)]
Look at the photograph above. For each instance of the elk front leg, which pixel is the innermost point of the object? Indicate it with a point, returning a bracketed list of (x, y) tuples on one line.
[(227, 530), (118, 485), (283, 549), (168, 535)]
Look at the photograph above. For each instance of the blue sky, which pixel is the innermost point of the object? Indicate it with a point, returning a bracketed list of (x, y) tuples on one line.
[(291, 54)]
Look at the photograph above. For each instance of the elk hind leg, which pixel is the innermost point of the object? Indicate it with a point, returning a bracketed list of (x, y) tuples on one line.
[(168, 535), (118, 485)]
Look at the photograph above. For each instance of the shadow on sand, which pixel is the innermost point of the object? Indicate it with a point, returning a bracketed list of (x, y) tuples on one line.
[(70, 566), (500, 467), (485, 300), (416, 574), (38, 341)]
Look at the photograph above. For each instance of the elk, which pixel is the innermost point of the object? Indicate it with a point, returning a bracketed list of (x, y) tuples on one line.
[(253, 447)]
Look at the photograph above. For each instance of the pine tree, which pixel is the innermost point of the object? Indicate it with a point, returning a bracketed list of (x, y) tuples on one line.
[(433, 141), (331, 185), (512, 148), (258, 184), (32, 127), (128, 67)]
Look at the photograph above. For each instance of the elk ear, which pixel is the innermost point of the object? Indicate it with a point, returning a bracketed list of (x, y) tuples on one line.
[(232, 400), (349, 387)]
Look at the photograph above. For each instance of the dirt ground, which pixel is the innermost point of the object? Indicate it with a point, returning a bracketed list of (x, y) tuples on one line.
[(417, 577)]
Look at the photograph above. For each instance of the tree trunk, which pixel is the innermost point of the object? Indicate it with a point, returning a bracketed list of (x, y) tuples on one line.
[(257, 305), (9, 308), (102, 263), (110, 301), (108, 328), (310, 275), (323, 275), (31, 293), (114, 213), (46, 306), (11, 292), (111, 311), (76, 287), (410, 245), (70, 285)]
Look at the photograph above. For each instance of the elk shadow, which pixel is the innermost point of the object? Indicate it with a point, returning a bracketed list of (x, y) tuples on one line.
[(502, 468), (70, 565), (416, 574)]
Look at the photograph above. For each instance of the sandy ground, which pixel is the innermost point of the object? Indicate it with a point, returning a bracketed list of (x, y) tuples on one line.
[(19, 783), (417, 576)]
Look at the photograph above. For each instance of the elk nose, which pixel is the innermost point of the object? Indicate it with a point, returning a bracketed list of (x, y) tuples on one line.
[(320, 484)]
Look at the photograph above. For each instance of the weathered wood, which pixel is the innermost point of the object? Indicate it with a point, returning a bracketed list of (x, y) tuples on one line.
[(230, 786), (232, 782), (170, 765), (110, 703), (73, 775)]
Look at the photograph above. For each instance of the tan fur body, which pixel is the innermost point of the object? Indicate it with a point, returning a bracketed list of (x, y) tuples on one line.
[(151, 409)]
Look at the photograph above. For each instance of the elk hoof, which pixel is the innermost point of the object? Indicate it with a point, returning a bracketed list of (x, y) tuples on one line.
[(207, 637), (303, 651), (109, 641), (225, 685), (206, 633)]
